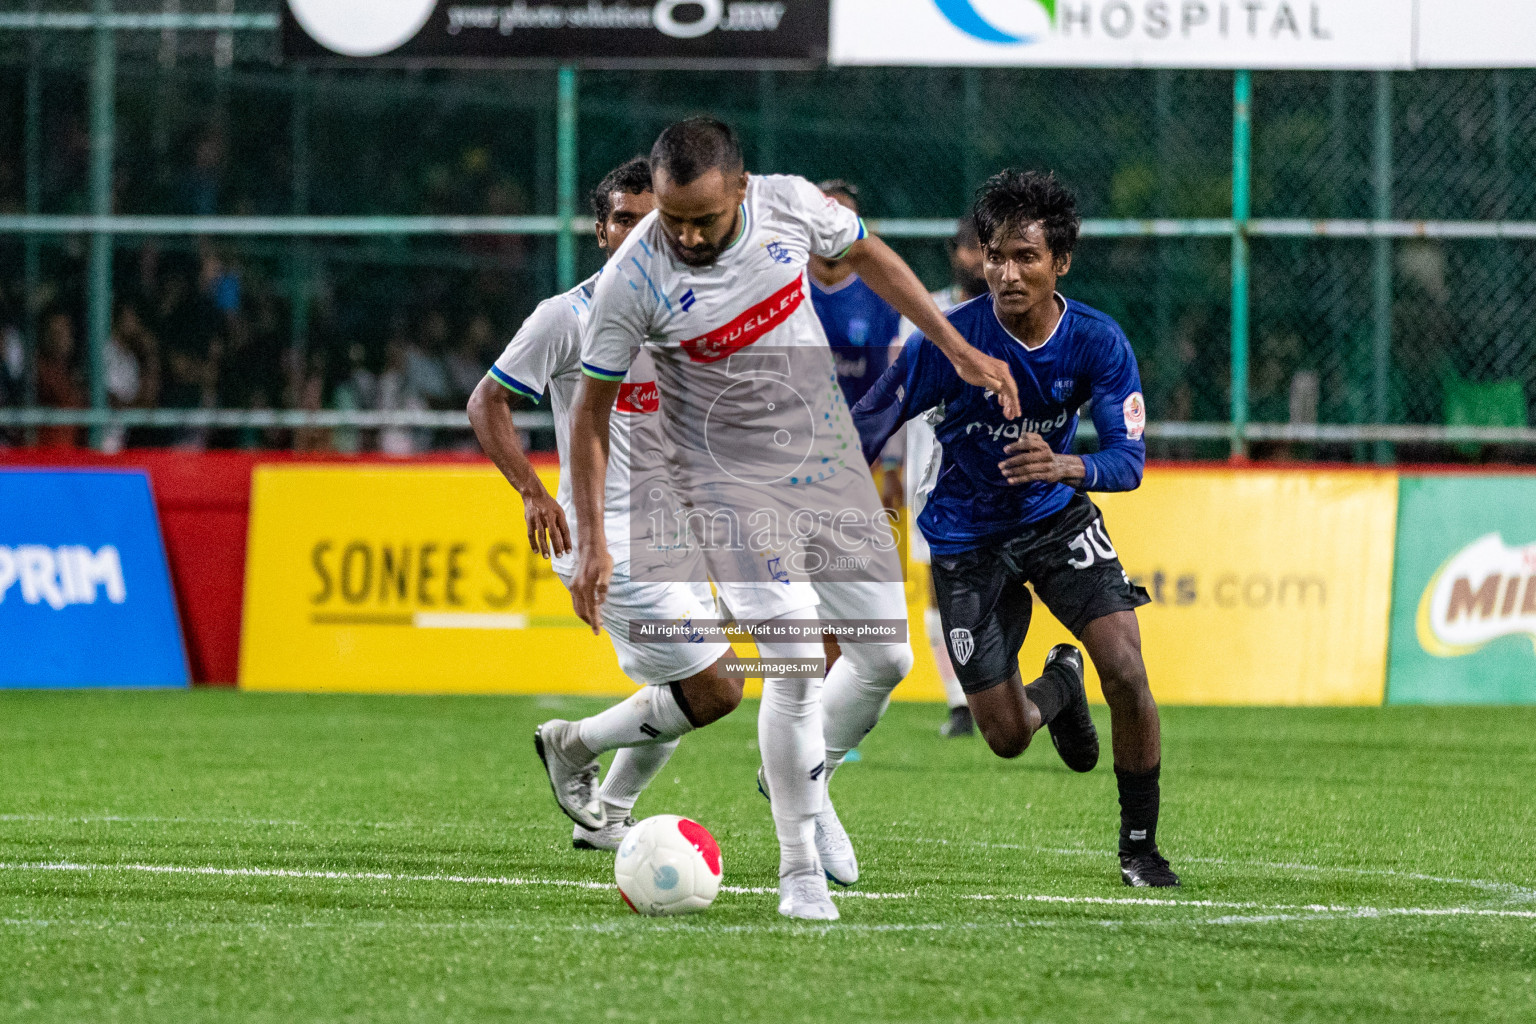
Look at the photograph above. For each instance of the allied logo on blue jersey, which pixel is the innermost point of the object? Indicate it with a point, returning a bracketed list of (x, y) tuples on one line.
[(687, 300), (1061, 388), (779, 252)]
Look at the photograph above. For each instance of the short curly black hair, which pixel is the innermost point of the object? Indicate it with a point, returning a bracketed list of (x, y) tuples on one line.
[(1011, 200), (633, 176)]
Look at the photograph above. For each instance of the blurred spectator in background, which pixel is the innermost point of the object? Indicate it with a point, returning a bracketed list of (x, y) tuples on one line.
[(187, 322), (133, 371), (467, 362), (358, 390), (425, 371), (198, 189), (399, 390), (13, 367), (59, 383), (860, 325)]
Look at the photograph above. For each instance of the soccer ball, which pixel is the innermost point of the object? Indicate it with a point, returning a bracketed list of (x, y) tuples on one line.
[(668, 865)]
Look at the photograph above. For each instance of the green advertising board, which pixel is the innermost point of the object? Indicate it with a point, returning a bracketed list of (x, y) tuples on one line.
[(1464, 591)]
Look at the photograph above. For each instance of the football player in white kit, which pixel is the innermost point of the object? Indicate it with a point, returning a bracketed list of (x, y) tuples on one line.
[(545, 355), (714, 286), (923, 456)]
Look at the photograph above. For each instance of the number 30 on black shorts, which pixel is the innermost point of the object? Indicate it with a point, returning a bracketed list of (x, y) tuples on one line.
[(1070, 561)]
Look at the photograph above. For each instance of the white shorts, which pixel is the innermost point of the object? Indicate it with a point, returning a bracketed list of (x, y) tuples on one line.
[(655, 664), (863, 601), (924, 456), (748, 602), (841, 601)]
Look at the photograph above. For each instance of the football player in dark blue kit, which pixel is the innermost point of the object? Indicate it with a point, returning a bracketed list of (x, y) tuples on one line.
[(861, 326), (1010, 505)]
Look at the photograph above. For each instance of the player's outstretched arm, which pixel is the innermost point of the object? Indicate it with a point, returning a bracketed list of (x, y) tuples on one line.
[(589, 480), (878, 265), (490, 413)]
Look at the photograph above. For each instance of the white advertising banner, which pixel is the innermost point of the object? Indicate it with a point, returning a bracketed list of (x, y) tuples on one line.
[(1477, 34), (1127, 33)]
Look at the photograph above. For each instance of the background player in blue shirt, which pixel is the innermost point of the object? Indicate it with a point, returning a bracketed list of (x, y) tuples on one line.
[(861, 326), (1009, 506)]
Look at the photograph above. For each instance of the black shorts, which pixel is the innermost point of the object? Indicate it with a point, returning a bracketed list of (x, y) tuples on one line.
[(1067, 558)]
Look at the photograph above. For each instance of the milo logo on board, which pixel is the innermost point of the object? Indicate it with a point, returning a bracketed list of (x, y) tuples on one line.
[(1484, 591)]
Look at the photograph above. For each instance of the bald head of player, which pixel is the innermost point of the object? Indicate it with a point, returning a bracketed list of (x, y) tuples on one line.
[(700, 182)]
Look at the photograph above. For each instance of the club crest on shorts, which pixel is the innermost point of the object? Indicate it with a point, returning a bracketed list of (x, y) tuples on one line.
[(961, 646)]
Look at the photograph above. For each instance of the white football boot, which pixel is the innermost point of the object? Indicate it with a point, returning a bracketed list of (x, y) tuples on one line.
[(572, 773), (804, 896), (606, 838), (833, 846)]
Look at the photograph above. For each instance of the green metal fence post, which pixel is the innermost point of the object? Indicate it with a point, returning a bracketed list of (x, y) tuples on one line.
[(32, 172), (1242, 172), (565, 179), (970, 164), (298, 258), (1381, 263), (99, 282), (767, 122)]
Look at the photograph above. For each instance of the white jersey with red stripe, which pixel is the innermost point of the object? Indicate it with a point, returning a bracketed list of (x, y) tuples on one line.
[(751, 391), (545, 356)]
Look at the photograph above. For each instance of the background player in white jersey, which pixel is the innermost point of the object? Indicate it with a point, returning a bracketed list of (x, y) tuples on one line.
[(923, 456), (683, 687), (715, 286)]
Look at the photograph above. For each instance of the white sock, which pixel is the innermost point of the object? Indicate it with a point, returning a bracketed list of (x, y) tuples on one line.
[(651, 715), (933, 625), (632, 770), (790, 741), (858, 690)]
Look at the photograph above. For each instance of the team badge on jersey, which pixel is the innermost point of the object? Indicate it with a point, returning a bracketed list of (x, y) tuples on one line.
[(961, 646), (1061, 388), (1135, 416), (779, 252)]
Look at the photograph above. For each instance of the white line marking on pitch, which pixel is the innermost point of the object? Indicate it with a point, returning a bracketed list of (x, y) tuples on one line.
[(1308, 908), (134, 819), (383, 876), (1314, 911), (1511, 892), (1509, 889)]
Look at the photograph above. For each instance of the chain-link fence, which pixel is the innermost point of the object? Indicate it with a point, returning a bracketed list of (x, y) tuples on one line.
[(1349, 327)]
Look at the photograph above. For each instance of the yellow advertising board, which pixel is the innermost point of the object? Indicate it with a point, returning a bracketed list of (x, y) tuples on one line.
[(407, 580), (1268, 587)]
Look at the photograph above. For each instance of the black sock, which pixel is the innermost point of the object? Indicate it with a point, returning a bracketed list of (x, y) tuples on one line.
[(1139, 799), (1050, 693)]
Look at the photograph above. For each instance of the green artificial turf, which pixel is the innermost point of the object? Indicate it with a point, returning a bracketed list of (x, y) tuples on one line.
[(1339, 835)]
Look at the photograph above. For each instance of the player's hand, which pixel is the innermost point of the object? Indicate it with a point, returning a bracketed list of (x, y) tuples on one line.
[(548, 532), (1031, 459), (988, 372), (589, 588)]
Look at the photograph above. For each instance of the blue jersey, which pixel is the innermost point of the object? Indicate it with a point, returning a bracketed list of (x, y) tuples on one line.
[(861, 327), (1087, 358)]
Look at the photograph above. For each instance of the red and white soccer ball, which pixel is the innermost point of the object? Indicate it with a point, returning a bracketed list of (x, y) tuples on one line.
[(668, 865)]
